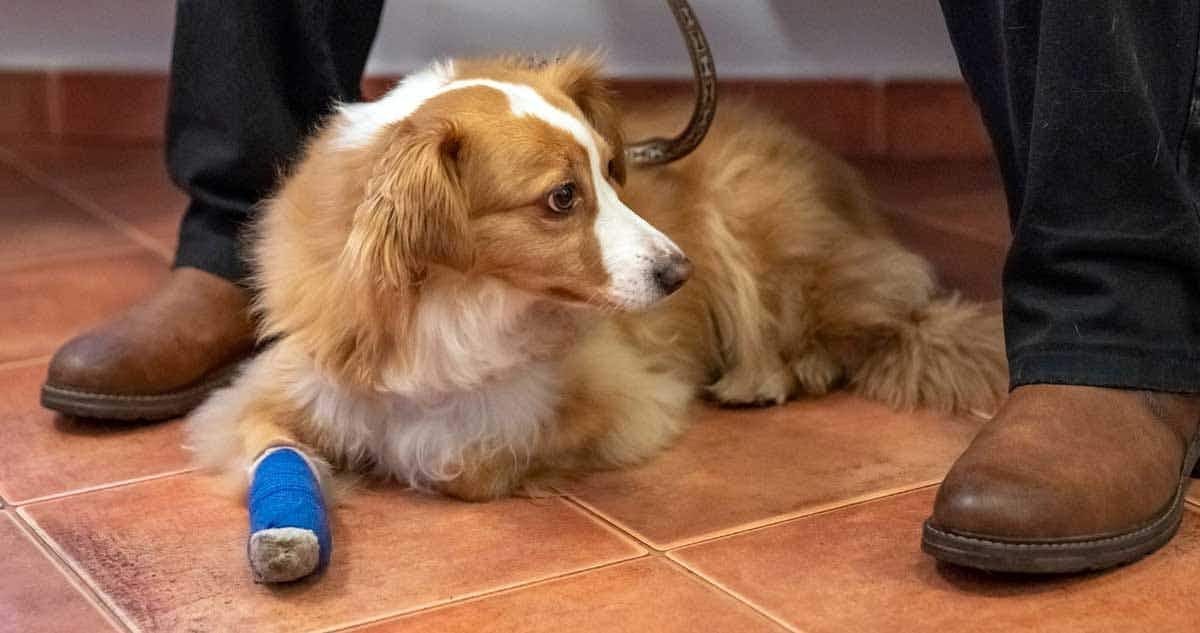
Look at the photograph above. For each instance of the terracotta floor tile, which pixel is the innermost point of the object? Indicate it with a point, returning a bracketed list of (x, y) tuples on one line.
[(640, 596), (121, 105), (130, 182), (963, 263), (26, 102), (898, 182), (738, 468), (44, 454), (153, 206), (981, 215), (14, 183), (40, 223), (35, 595), (41, 306), (861, 570), (170, 554), (952, 212), (926, 118), (83, 165), (837, 114), (960, 196)]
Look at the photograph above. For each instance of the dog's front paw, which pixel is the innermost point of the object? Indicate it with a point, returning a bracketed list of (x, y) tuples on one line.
[(757, 387), (283, 554)]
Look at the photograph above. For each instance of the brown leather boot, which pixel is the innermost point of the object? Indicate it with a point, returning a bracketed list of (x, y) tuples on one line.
[(158, 359), (1067, 479)]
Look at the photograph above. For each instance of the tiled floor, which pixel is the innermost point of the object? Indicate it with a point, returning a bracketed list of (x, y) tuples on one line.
[(801, 518)]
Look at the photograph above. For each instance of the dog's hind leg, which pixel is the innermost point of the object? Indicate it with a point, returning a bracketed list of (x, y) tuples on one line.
[(903, 342)]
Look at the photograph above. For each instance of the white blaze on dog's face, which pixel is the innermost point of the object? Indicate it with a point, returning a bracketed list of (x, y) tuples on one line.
[(531, 182)]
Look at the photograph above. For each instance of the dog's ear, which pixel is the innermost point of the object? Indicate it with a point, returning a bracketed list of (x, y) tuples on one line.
[(413, 212), (578, 75)]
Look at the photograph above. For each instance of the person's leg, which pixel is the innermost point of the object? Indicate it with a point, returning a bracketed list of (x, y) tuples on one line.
[(249, 81), (1089, 106)]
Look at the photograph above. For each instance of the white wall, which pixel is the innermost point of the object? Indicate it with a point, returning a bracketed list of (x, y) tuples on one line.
[(771, 38)]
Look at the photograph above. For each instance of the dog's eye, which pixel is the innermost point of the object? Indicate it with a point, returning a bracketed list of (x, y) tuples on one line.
[(562, 199), (612, 168)]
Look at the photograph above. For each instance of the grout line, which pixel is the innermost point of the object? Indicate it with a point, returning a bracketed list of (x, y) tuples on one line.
[(82, 202), (24, 362), (609, 524), (759, 524), (818, 511), (89, 590), (760, 611), (99, 487), (117, 250), (615, 523), (471, 597)]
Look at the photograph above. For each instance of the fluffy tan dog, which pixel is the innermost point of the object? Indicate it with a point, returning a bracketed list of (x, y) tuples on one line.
[(468, 291)]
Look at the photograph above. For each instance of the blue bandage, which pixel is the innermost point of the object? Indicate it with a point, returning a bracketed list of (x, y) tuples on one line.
[(285, 494)]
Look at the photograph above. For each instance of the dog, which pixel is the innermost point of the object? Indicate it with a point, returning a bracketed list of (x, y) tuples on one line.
[(468, 291)]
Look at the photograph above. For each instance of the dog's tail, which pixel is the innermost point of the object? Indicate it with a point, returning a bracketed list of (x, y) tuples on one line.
[(947, 356)]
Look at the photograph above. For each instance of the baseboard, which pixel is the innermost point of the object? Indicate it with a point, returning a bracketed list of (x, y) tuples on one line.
[(909, 119)]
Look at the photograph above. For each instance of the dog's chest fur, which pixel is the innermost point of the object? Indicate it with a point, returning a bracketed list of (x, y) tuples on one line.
[(474, 382), (421, 440)]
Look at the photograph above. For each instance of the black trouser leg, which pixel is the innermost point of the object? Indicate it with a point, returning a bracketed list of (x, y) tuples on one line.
[(249, 80), (1090, 107)]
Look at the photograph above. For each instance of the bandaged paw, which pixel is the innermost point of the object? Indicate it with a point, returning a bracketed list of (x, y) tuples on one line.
[(283, 554), (289, 529)]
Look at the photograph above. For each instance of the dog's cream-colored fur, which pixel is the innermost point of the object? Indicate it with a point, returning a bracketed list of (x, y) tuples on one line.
[(435, 323)]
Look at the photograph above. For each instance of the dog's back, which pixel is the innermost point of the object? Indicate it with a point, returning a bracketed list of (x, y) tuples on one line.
[(799, 285)]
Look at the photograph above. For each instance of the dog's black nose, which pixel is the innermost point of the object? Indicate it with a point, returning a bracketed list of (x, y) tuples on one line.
[(672, 272)]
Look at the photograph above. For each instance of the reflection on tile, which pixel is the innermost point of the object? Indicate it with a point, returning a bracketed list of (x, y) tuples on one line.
[(46, 454), (153, 206), (982, 216), (860, 570), (901, 182), (840, 115), (125, 106), (963, 197), (41, 224), (970, 266), (734, 469), (26, 103), (85, 166), (926, 119), (35, 595), (44, 305), (641, 596), (170, 554), (14, 183)]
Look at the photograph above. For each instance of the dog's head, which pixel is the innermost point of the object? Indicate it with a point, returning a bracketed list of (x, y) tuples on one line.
[(509, 169)]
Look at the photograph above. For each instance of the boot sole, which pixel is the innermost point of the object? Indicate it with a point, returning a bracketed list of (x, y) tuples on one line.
[(164, 406), (1064, 557)]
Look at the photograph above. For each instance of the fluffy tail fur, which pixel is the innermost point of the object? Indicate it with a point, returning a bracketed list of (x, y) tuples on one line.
[(948, 357)]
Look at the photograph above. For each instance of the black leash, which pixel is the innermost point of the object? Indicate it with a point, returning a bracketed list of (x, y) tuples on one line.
[(656, 151)]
